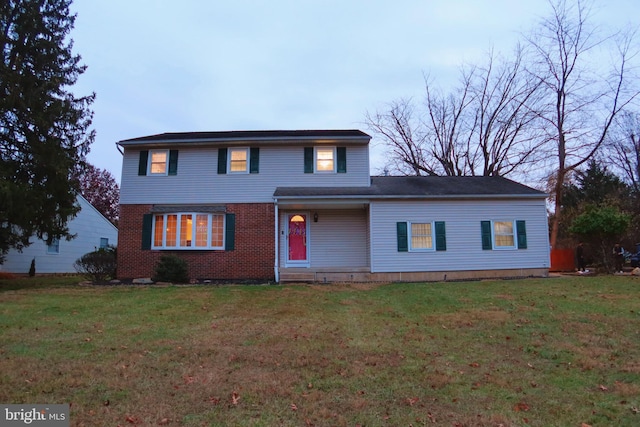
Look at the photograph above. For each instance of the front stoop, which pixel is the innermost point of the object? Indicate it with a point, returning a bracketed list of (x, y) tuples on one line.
[(324, 275)]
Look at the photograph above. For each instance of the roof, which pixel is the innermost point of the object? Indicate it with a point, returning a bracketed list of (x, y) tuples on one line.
[(419, 187), (262, 136)]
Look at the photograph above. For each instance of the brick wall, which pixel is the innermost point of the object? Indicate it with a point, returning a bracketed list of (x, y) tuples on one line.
[(252, 258)]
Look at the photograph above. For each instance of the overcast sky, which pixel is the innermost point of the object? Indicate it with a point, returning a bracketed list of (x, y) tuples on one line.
[(216, 65)]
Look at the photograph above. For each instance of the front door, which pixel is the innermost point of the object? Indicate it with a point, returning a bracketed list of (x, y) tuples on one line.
[(297, 238)]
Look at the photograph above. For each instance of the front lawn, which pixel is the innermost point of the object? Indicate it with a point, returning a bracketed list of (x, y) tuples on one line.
[(538, 352)]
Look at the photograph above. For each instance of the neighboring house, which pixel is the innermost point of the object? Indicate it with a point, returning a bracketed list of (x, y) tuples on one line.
[(92, 231), (301, 205)]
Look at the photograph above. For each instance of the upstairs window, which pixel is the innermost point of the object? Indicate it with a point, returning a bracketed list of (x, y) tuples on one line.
[(325, 159), (104, 242), (238, 160), (158, 164)]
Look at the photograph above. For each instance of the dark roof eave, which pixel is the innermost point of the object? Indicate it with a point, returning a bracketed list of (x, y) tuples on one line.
[(247, 137), (416, 197)]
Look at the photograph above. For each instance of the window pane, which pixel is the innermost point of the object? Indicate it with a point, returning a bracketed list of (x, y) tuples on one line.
[(238, 162), (54, 247), (104, 242), (172, 228), (324, 159), (202, 230), (503, 232), (186, 230), (159, 162), (217, 231), (421, 237), (157, 238), (504, 240)]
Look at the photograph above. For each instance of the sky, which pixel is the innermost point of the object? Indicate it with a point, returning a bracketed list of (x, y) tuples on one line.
[(220, 65)]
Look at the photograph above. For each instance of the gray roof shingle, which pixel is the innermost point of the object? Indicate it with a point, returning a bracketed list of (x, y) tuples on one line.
[(353, 135), (419, 187)]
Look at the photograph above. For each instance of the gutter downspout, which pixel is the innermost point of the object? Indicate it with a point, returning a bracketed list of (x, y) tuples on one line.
[(276, 268)]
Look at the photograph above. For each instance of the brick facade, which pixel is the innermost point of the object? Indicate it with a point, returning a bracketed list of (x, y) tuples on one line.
[(252, 259)]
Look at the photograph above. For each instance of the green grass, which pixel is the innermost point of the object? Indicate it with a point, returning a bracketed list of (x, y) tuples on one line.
[(539, 352)]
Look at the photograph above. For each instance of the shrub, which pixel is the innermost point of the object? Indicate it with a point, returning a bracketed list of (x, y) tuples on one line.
[(99, 265), (171, 268), (32, 268)]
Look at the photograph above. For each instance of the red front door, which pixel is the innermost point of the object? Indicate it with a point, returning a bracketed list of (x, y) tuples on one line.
[(297, 237)]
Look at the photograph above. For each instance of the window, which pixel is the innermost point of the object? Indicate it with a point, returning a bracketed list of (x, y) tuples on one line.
[(188, 231), (54, 247), (325, 159), (104, 243), (158, 164), (503, 234), (421, 236), (238, 160)]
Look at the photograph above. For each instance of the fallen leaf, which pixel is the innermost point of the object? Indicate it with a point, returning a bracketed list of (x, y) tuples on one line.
[(235, 398), (603, 387), (294, 407), (521, 406), (412, 400)]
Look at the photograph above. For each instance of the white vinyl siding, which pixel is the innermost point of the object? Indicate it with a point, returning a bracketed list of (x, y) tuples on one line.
[(89, 226), (464, 240), (197, 180)]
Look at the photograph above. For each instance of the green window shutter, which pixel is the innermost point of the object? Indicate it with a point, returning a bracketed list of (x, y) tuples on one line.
[(486, 235), (441, 236), (254, 160), (142, 164), (522, 234), (222, 160), (308, 159), (403, 237), (341, 153), (230, 232), (173, 162), (147, 226)]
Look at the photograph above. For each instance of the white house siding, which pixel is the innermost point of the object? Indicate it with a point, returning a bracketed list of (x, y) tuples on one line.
[(197, 180), (89, 226), (338, 240), (463, 235)]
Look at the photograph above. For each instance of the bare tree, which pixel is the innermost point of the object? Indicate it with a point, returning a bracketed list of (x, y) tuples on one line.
[(622, 148), (581, 99), (483, 127)]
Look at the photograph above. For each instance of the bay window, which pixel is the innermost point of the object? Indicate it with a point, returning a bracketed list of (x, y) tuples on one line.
[(188, 230)]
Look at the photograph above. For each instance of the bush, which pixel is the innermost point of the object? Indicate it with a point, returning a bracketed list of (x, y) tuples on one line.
[(172, 269), (99, 265), (32, 268)]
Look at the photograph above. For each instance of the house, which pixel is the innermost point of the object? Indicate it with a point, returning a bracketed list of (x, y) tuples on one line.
[(301, 205), (92, 231)]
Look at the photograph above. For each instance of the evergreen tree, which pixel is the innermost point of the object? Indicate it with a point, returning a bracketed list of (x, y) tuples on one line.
[(44, 127)]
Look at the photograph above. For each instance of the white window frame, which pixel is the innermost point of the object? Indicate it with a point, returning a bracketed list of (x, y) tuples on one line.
[(410, 236), (193, 247), (513, 234), (166, 163), (316, 169), (230, 156), (54, 247)]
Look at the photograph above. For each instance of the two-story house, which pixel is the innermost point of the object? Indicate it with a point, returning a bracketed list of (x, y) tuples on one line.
[(301, 205)]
